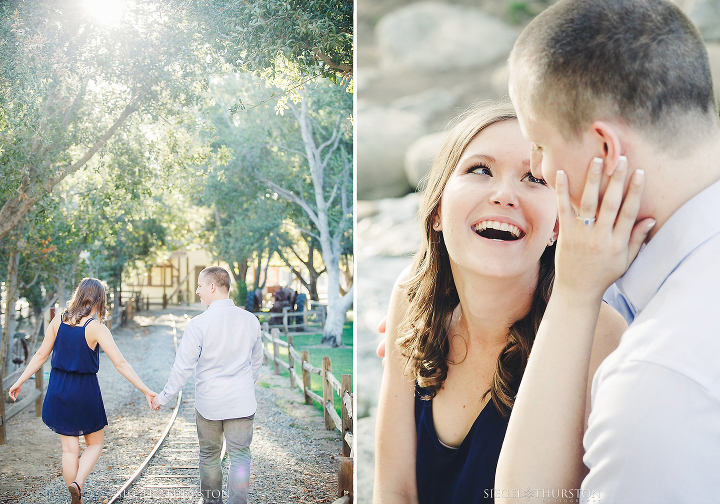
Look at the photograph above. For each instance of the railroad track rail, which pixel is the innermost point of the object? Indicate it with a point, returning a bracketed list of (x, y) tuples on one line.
[(170, 471)]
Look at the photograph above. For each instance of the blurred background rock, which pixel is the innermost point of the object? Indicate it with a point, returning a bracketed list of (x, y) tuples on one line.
[(419, 65)]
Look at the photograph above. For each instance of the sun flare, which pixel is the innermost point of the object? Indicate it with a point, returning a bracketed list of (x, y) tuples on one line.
[(105, 11)]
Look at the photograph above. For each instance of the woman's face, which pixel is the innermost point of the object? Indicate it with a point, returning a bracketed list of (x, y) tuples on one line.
[(496, 218)]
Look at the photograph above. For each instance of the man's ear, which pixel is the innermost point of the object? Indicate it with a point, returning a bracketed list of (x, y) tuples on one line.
[(609, 141)]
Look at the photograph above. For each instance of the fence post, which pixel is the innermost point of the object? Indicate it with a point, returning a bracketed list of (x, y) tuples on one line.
[(327, 393), (345, 386), (265, 330), (306, 376), (39, 386), (109, 320), (165, 300), (285, 319), (147, 300), (2, 409), (291, 360), (276, 349), (345, 477), (130, 304)]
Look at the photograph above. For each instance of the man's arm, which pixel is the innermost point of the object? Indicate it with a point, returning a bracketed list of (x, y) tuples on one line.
[(186, 359), (257, 354)]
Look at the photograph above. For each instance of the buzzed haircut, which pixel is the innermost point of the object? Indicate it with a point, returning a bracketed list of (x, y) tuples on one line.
[(641, 60), (217, 275)]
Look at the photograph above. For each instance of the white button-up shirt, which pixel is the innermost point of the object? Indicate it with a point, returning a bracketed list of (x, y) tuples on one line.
[(224, 347), (654, 432)]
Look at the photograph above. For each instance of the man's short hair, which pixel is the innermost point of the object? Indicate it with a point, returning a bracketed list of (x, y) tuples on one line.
[(640, 60), (217, 275)]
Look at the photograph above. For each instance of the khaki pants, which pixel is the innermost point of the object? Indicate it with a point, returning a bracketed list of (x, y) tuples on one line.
[(238, 435)]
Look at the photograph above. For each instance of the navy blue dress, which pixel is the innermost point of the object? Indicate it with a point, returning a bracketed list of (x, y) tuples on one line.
[(73, 405), (465, 475)]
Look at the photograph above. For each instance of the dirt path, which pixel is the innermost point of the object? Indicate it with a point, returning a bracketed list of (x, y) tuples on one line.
[(294, 457)]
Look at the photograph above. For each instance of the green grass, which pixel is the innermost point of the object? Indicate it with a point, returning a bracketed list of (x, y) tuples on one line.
[(341, 359)]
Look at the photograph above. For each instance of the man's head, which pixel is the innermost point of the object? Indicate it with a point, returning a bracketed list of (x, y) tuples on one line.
[(588, 76), (213, 284)]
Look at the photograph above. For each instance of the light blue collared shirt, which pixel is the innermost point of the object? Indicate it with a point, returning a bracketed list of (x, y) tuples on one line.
[(224, 347), (654, 432)]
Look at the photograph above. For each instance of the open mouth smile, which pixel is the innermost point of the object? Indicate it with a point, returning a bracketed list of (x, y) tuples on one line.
[(499, 231)]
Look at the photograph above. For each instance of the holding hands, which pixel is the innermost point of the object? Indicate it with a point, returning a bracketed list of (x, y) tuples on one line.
[(595, 247), (152, 400)]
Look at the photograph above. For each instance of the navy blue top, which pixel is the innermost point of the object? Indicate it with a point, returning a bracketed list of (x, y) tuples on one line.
[(71, 352), (73, 404), (466, 475)]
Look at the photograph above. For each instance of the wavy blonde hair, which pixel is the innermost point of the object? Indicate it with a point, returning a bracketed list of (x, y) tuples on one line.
[(424, 338), (89, 294)]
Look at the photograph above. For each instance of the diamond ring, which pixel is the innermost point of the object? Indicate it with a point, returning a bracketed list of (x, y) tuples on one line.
[(586, 220)]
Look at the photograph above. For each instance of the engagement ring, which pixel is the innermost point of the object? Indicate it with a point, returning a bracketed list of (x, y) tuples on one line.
[(585, 220)]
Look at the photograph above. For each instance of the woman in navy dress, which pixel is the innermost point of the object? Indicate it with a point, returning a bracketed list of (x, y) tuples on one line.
[(73, 403), (463, 317)]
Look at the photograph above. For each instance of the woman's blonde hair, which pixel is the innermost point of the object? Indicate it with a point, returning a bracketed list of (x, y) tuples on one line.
[(423, 335), (88, 295)]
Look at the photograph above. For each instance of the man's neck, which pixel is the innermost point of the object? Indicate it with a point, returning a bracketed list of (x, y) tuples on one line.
[(218, 298), (670, 182)]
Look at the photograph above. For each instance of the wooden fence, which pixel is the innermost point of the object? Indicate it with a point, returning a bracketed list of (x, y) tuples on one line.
[(304, 320), (331, 386), (113, 320)]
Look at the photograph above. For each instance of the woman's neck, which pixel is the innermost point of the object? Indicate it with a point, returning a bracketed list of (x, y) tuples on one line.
[(490, 305)]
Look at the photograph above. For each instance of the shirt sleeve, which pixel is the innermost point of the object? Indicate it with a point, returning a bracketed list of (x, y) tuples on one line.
[(257, 354), (652, 437), (186, 359)]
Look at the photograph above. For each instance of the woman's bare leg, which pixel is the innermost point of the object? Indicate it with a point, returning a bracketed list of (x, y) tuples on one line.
[(93, 450), (70, 452)]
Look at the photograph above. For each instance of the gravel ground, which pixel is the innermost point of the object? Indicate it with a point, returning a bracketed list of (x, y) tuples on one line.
[(294, 458)]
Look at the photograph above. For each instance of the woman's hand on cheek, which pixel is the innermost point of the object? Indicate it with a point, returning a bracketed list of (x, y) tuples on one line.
[(591, 254)]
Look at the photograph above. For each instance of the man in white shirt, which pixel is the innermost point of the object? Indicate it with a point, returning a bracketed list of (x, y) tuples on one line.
[(617, 79), (224, 347)]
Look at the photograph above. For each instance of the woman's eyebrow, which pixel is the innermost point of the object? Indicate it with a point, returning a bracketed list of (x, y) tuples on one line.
[(483, 157)]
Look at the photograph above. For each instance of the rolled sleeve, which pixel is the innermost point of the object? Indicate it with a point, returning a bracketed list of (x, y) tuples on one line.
[(648, 435), (186, 358)]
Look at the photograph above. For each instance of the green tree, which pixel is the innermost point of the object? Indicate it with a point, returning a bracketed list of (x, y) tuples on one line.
[(312, 168), (69, 86), (317, 35)]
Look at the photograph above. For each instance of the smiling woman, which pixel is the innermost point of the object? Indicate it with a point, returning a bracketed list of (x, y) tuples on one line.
[(463, 318)]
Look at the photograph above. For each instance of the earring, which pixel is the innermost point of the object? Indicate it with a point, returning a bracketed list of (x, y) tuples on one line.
[(436, 225), (552, 241)]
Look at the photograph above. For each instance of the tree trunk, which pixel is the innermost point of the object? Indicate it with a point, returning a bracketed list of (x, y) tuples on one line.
[(337, 306), (61, 293), (11, 284), (313, 274)]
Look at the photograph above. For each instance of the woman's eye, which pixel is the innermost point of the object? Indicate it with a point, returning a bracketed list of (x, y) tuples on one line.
[(529, 177), (483, 170)]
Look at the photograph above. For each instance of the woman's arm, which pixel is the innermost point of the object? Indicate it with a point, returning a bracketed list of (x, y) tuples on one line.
[(100, 333), (39, 358), (395, 436), (610, 328), (543, 445)]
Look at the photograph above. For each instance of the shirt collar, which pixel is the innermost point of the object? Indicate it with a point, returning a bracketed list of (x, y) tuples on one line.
[(690, 226), (221, 302)]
